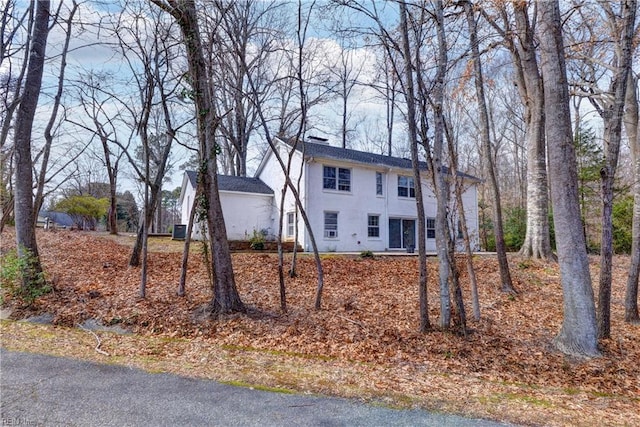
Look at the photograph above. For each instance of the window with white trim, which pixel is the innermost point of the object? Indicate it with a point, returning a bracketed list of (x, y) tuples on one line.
[(336, 178), (406, 186), (431, 228), (373, 226), (291, 224), (379, 183), (331, 225)]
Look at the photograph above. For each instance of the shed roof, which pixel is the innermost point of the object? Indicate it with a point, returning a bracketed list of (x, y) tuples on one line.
[(241, 184)]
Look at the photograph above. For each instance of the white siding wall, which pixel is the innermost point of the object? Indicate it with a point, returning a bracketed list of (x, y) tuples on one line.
[(272, 175), (245, 212), (188, 193), (355, 206), (470, 201)]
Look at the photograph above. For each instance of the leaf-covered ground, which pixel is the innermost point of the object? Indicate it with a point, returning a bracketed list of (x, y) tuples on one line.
[(363, 343)]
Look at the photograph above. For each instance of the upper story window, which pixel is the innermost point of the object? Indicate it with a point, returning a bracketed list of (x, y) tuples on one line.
[(406, 186), (336, 178), (379, 183)]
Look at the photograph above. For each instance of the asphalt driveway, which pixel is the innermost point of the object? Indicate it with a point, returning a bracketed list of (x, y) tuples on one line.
[(52, 391)]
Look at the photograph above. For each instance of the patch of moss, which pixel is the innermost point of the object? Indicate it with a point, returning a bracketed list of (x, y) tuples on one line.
[(501, 397), (260, 387), (231, 347)]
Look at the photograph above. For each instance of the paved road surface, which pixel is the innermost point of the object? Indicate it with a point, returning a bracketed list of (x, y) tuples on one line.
[(53, 391)]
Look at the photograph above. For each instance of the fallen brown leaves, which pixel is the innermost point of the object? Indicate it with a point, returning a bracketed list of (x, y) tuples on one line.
[(363, 342)]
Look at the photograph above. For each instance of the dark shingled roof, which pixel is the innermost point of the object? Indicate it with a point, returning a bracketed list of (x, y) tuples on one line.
[(312, 149), (242, 184), (193, 177)]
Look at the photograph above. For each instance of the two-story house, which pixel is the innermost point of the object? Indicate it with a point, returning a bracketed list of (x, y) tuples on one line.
[(354, 200)]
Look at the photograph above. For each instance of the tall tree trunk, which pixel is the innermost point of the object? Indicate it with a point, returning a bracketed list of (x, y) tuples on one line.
[(187, 243), (225, 294), (7, 196), (24, 215), (112, 172), (147, 218), (301, 36), (612, 116), (445, 263), (158, 218), (48, 136), (275, 151), (112, 215), (537, 242), (579, 334), (390, 105), (413, 138), (142, 292), (490, 170), (522, 45), (458, 189), (282, 284), (632, 127)]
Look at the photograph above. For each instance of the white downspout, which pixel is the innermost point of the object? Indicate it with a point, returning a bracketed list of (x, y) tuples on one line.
[(305, 198), (386, 208)]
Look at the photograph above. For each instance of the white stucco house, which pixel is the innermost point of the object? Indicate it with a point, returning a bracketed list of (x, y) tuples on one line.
[(355, 200)]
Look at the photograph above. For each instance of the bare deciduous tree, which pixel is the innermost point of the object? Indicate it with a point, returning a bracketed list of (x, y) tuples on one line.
[(505, 275), (578, 335), (299, 85), (518, 35), (96, 102), (240, 33), (623, 32), (632, 126), (25, 222), (603, 45), (412, 120), (45, 175), (226, 298), (14, 58)]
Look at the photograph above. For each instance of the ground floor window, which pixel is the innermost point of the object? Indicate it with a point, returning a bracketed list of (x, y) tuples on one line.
[(331, 225), (373, 228), (291, 219)]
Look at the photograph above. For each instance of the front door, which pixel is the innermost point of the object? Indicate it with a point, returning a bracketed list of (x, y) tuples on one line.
[(402, 233)]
